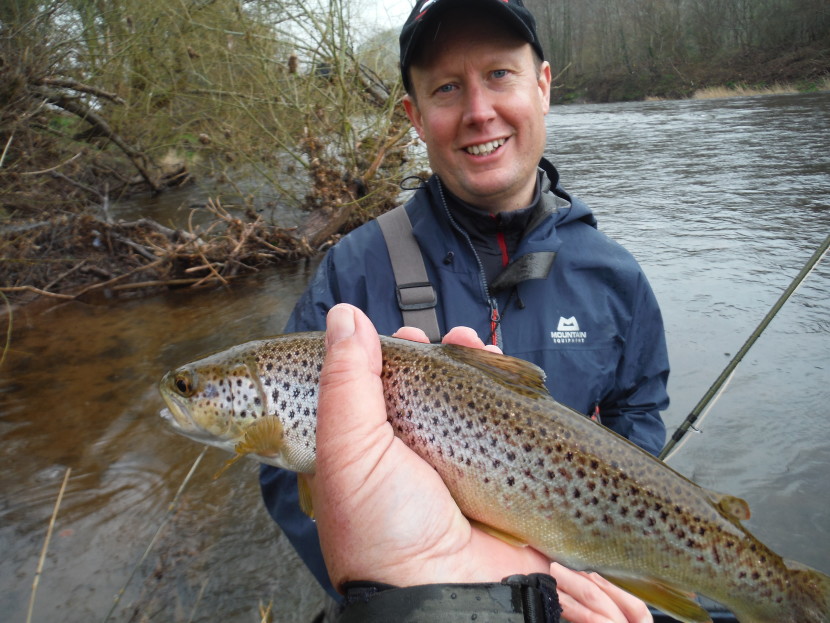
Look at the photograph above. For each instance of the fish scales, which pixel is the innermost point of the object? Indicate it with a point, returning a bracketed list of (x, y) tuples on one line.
[(517, 462)]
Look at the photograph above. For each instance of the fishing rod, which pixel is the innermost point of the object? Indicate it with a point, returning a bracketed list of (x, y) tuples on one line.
[(720, 383)]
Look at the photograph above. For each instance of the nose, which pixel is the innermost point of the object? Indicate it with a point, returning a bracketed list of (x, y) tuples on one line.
[(478, 105)]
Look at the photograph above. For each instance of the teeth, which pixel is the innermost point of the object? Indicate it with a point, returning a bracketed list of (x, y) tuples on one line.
[(485, 148)]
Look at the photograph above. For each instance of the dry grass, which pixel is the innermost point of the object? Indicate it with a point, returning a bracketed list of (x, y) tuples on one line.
[(740, 90)]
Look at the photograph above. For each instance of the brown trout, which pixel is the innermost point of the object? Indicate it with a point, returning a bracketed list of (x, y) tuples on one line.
[(515, 461)]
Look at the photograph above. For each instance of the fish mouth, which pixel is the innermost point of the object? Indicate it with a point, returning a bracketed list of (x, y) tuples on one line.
[(168, 416)]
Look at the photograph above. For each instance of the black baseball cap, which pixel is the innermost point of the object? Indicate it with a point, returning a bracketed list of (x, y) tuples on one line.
[(426, 11)]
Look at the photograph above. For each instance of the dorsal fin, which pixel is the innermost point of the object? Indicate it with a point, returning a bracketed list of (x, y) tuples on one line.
[(731, 506), (519, 375)]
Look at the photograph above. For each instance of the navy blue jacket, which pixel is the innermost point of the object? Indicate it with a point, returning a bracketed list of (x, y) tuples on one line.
[(589, 319)]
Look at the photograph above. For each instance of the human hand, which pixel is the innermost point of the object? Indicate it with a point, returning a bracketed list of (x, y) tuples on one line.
[(383, 514)]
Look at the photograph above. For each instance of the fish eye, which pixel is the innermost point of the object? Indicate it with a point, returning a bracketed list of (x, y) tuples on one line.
[(183, 383)]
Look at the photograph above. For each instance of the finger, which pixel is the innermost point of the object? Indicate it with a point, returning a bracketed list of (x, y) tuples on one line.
[(413, 334), (632, 607), (465, 336), (584, 601)]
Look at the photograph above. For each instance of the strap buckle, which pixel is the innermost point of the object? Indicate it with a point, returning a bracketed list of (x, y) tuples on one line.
[(415, 296)]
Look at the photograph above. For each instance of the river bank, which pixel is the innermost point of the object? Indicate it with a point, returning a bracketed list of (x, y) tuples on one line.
[(58, 238)]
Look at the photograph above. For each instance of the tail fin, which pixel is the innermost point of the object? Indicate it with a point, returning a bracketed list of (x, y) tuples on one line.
[(810, 594)]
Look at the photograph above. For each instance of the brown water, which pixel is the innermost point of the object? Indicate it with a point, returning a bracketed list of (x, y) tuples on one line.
[(722, 202)]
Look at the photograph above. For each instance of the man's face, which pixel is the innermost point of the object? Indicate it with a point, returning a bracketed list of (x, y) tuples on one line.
[(479, 101)]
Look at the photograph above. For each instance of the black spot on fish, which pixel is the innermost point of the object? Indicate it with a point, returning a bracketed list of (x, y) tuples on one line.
[(511, 456), (511, 481)]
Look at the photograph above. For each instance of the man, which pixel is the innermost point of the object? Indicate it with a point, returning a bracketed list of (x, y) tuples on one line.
[(509, 252)]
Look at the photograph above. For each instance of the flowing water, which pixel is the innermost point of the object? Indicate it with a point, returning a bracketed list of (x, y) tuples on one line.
[(722, 201)]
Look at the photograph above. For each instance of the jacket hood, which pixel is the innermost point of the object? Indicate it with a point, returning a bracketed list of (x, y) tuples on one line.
[(578, 209)]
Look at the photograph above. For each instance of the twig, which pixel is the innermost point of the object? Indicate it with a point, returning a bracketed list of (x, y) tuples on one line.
[(68, 83), (6, 149), (54, 168), (143, 251), (66, 297), (65, 275), (7, 345), (105, 284), (36, 581), (202, 254), (170, 509)]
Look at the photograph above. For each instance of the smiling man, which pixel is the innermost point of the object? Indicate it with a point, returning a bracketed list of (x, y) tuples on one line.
[(478, 96), (505, 250)]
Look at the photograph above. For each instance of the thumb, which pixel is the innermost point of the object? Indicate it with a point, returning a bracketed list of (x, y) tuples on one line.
[(351, 407)]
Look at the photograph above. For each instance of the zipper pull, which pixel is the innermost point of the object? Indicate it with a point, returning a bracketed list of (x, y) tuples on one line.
[(494, 323), (594, 414)]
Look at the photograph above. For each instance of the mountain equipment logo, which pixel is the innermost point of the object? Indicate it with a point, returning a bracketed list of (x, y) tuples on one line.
[(567, 332)]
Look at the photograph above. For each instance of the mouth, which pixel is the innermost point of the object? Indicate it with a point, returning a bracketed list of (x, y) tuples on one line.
[(485, 149)]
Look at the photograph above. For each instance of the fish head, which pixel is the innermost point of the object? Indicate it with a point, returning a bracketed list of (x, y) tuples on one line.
[(213, 400)]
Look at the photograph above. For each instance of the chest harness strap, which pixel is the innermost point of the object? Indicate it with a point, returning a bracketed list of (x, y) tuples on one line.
[(416, 295)]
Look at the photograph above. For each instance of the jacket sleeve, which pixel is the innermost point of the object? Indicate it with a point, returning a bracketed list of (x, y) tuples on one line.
[(279, 486), (633, 407)]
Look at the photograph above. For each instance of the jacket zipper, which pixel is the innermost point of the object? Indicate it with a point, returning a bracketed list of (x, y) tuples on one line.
[(495, 329)]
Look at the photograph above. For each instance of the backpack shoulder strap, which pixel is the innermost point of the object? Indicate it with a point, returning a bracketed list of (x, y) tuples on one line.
[(416, 296)]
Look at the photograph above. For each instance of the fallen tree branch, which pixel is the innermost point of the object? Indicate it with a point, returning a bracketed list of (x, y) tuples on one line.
[(74, 106)]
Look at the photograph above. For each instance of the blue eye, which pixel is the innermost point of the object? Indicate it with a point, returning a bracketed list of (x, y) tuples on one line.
[(500, 73), (444, 88)]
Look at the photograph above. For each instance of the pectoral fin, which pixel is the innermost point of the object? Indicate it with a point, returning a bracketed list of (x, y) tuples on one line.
[(499, 534), (672, 601), (263, 437)]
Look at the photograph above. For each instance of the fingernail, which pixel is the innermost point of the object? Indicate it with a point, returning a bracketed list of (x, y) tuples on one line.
[(339, 324)]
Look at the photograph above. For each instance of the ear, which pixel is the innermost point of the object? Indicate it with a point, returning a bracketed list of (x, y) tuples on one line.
[(414, 114), (544, 85)]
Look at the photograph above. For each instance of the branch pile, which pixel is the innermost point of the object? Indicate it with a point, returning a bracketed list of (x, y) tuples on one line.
[(134, 258)]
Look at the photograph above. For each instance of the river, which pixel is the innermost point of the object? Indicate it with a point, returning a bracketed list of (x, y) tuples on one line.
[(722, 201)]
